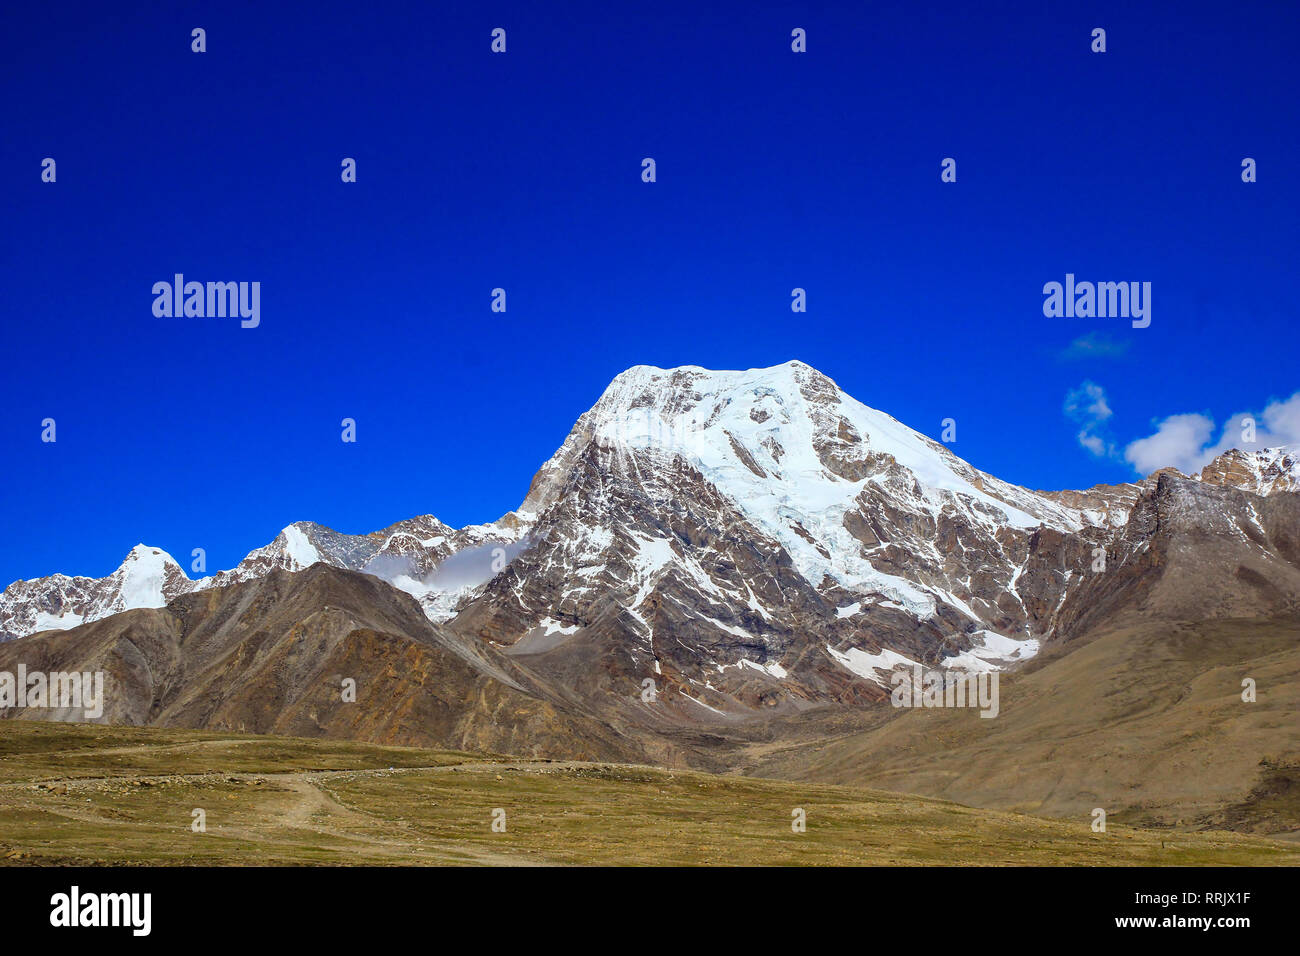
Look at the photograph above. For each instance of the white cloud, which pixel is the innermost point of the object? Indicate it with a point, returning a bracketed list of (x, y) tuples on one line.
[(1178, 441), (1184, 440), (1283, 419)]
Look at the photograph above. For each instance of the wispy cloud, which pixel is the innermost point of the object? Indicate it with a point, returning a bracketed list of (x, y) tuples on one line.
[(1094, 345), (1088, 407)]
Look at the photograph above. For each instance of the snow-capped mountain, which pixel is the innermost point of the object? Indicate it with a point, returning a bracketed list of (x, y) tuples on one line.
[(746, 540), (761, 539), (413, 555), (148, 577)]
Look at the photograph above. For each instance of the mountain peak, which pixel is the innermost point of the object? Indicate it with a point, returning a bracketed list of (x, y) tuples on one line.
[(144, 556), (682, 375), (805, 465), (147, 577), (298, 545)]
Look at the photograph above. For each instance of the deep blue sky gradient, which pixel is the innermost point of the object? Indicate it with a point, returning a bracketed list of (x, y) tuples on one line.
[(477, 170)]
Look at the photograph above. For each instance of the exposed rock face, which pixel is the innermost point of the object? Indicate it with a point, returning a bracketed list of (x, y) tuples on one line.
[(1194, 550), (1262, 472), (1108, 504), (757, 543)]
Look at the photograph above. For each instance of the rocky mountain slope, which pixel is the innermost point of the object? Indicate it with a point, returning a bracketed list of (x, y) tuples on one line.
[(1145, 720), (271, 655)]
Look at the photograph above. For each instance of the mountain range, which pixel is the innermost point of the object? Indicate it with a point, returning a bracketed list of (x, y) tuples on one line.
[(722, 569)]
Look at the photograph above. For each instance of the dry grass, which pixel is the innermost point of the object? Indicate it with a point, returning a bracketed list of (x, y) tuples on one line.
[(84, 794)]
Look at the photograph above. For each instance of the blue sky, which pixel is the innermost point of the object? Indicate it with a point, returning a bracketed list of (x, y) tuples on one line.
[(475, 171)]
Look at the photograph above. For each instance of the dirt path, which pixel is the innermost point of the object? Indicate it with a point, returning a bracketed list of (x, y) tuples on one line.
[(302, 800), (532, 766)]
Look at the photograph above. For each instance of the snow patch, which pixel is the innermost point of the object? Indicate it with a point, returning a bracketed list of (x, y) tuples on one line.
[(992, 652), (866, 665), (553, 626)]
